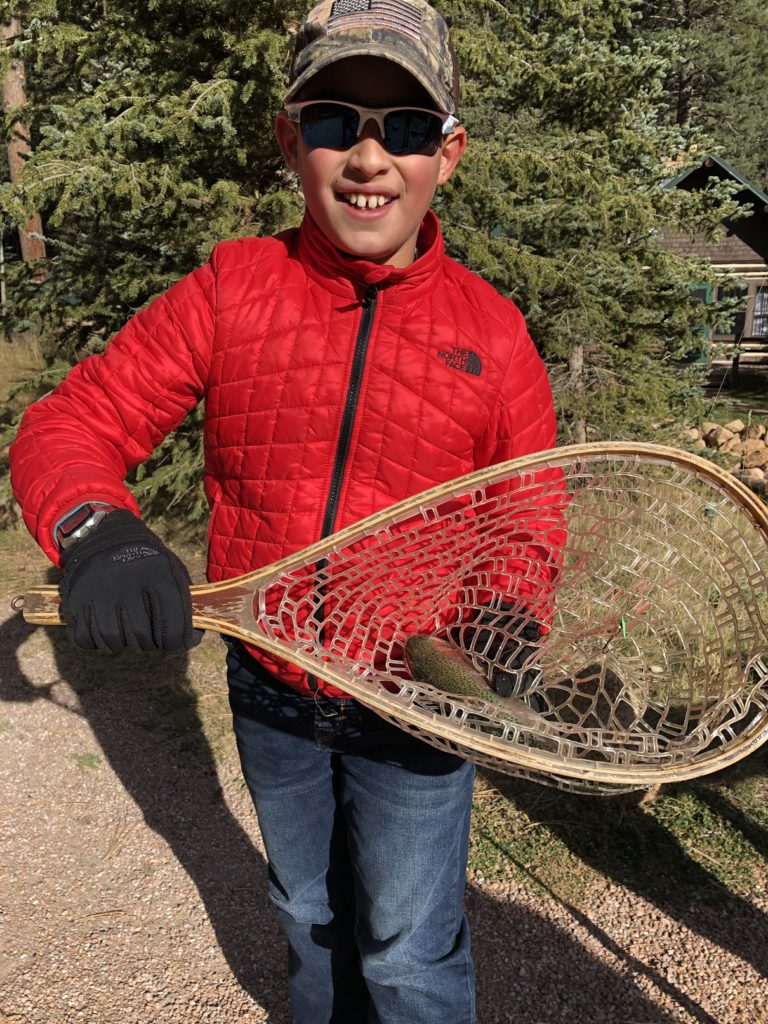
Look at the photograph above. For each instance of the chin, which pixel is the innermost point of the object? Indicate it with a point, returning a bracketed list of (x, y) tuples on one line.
[(373, 244), (369, 249), (353, 247), (372, 255)]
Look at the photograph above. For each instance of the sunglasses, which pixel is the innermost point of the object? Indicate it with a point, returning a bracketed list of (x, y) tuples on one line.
[(329, 124)]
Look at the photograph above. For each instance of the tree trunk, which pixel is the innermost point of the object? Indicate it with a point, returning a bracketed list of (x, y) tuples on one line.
[(19, 144)]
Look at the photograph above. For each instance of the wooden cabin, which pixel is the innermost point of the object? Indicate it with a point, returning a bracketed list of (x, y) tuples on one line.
[(742, 253)]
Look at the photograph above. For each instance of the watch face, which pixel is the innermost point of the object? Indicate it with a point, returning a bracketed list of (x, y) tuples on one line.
[(79, 523), (75, 520)]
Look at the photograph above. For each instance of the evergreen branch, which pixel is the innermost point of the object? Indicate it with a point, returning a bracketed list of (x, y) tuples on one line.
[(208, 89), (501, 7), (28, 187), (121, 115)]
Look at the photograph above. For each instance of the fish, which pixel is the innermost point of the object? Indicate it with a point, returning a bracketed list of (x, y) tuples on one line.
[(433, 660)]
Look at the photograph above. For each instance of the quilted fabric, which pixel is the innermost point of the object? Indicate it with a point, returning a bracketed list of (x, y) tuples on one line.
[(266, 332)]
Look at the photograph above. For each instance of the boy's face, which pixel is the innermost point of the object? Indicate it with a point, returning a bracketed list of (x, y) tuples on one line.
[(331, 178)]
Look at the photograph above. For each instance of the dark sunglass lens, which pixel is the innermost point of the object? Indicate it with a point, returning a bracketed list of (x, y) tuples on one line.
[(412, 131), (329, 125)]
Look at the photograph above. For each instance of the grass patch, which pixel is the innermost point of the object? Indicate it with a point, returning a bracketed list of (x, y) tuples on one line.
[(513, 841), (702, 841), (736, 401), (727, 411), (84, 761), (18, 361), (708, 838)]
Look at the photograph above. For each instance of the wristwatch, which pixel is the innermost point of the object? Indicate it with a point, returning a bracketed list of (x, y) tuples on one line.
[(80, 522)]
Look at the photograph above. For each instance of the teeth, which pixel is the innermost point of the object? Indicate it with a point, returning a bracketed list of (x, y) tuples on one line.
[(365, 201)]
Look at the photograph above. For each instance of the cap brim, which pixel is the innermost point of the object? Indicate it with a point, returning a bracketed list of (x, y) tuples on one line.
[(423, 76)]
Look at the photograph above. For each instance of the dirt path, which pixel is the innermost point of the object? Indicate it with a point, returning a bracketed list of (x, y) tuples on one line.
[(132, 879)]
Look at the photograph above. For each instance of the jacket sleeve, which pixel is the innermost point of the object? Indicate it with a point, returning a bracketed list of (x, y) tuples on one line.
[(528, 560), (79, 442)]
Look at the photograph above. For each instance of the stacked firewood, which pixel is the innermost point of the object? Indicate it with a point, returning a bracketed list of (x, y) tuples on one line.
[(744, 446)]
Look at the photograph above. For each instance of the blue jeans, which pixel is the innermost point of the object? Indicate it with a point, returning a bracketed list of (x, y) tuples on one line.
[(366, 831)]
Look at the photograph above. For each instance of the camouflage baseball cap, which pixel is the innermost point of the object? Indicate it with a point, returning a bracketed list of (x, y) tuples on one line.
[(408, 32)]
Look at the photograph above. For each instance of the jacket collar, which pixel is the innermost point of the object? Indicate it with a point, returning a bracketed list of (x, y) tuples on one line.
[(345, 275)]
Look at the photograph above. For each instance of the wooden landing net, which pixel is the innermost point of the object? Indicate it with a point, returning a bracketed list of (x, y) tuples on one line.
[(644, 570)]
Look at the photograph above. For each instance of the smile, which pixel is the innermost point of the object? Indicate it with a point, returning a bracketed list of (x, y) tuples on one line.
[(365, 202)]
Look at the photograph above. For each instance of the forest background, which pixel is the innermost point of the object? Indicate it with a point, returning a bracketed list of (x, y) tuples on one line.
[(151, 131)]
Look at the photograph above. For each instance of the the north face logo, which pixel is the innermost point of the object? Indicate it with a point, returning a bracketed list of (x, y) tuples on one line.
[(463, 359)]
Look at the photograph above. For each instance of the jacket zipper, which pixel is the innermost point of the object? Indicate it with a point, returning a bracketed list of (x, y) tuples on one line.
[(350, 408), (370, 300)]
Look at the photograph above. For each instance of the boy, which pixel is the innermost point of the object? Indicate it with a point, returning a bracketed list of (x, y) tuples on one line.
[(345, 365)]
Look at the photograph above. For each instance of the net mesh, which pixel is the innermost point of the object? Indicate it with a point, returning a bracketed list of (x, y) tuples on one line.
[(622, 600)]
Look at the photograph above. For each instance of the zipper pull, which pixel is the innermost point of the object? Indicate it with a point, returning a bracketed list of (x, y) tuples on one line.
[(370, 295)]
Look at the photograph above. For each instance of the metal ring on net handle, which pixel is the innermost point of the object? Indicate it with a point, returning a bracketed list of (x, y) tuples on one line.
[(644, 570)]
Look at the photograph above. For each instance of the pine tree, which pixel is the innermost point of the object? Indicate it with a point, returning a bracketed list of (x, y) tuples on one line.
[(152, 132), (720, 82), (561, 200)]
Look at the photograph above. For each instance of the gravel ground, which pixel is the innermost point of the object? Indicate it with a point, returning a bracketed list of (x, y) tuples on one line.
[(132, 878)]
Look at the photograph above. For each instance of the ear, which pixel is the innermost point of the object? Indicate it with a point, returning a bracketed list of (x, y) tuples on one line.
[(453, 151), (287, 135)]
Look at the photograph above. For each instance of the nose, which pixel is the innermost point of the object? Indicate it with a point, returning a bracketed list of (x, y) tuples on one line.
[(368, 156)]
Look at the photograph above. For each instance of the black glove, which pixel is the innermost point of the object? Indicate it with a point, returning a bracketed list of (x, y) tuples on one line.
[(123, 589), (508, 637)]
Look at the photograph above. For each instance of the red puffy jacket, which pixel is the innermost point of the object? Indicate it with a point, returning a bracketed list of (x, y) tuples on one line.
[(333, 387)]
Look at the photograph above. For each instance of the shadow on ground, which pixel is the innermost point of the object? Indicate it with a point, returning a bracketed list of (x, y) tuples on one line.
[(630, 848), (166, 765), (169, 770), (544, 975)]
